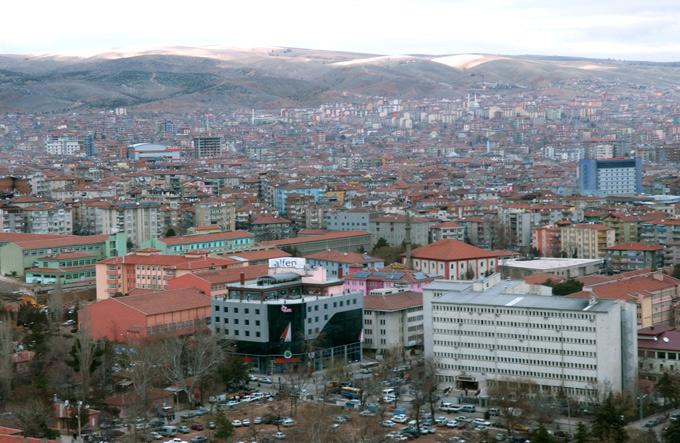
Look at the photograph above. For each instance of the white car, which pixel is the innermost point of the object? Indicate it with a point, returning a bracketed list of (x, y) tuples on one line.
[(288, 422), (279, 436), (388, 423), (481, 421), (400, 418), (245, 422), (236, 423), (452, 423)]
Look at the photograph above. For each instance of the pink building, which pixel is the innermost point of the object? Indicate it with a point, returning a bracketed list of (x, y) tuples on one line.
[(365, 281)]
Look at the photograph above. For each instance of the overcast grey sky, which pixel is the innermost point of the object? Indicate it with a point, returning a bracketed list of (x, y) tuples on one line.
[(648, 30)]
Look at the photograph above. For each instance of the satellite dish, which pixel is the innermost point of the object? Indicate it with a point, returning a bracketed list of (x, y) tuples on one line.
[(665, 339)]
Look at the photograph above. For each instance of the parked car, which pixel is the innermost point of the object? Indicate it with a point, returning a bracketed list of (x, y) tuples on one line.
[(198, 439), (197, 427), (211, 425), (257, 421), (184, 429), (236, 423), (388, 423), (279, 435), (288, 422), (245, 422)]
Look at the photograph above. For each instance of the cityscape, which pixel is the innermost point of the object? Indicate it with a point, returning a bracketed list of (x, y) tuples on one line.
[(204, 243)]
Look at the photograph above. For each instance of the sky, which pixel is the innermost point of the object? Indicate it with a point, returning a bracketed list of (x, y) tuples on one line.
[(620, 29)]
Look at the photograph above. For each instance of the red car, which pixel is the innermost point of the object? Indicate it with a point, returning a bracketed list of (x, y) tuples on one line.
[(197, 427)]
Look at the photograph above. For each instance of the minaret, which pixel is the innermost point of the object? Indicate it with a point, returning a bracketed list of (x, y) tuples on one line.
[(407, 239)]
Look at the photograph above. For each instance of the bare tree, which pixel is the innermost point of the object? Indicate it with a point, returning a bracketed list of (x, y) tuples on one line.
[(85, 358), (55, 305), (187, 362), (143, 375), (512, 398), (6, 351), (34, 417)]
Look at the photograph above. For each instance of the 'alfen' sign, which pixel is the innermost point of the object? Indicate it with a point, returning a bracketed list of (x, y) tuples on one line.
[(287, 262)]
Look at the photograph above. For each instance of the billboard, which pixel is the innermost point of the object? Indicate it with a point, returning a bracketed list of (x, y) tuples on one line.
[(287, 262)]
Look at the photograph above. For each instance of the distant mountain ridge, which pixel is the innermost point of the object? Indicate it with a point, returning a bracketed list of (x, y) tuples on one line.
[(274, 77)]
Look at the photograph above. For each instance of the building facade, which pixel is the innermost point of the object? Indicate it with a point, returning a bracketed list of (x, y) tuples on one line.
[(610, 177), (585, 240), (488, 334), (393, 321)]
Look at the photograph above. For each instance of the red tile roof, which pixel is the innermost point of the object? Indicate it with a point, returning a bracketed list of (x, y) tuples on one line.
[(333, 235), (261, 255), (343, 257), (451, 250), (60, 240), (393, 302), (152, 302), (635, 246), (234, 274), (188, 239), (173, 261), (629, 287), (542, 277)]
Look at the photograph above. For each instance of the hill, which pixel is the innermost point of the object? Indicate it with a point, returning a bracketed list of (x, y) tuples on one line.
[(275, 77)]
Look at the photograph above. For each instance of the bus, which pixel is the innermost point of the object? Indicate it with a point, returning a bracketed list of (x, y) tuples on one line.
[(351, 392), (366, 366)]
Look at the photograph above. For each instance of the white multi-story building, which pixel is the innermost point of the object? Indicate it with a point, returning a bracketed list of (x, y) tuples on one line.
[(62, 146), (139, 220), (393, 320), (48, 218), (486, 332)]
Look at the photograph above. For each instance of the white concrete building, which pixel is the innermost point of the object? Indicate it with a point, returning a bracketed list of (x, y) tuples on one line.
[(562, 267), (482, 332), (393, 320), (139, 220), (62, 146)]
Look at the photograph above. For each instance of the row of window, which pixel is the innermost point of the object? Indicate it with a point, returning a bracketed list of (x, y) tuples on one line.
[(523, 312), (170, 327), (236, 332), (518, 373), (513, 324), (502, 335), (235, 321), (235, 310), (513, 348), (523, 361)]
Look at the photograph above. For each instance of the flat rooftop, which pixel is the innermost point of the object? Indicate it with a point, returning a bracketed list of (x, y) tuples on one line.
[(496, 297), (550, 263)]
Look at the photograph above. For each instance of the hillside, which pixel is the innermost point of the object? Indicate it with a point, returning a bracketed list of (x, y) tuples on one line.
[(274, 77)]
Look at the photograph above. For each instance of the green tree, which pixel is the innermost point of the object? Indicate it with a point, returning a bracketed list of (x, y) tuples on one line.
[(581, 435), (541, 435), (170, 232), (667, 386), (672, 434), (381, 243), (608, 421), (565, 288), (233, 371), (223, 427), (676, 271)]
